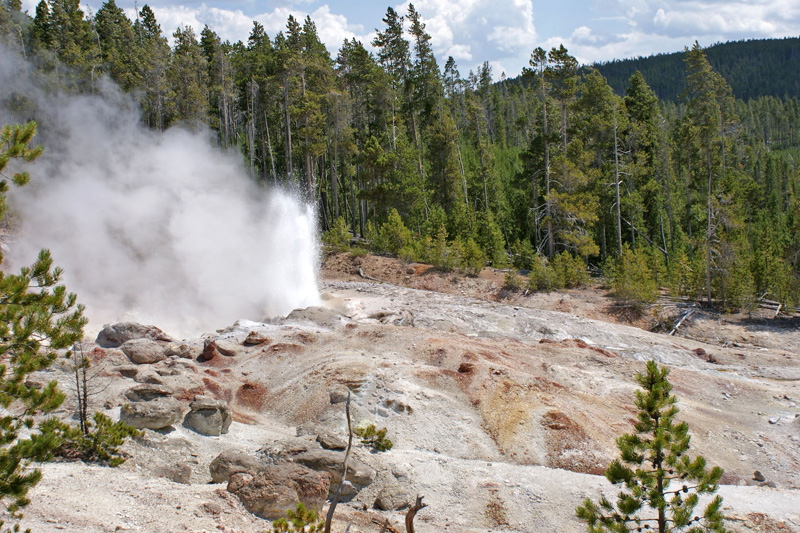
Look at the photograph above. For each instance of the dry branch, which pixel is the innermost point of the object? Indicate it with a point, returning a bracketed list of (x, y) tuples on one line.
[(412, 512)]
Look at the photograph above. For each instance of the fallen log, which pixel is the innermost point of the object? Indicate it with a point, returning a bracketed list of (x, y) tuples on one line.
[(671, 333)]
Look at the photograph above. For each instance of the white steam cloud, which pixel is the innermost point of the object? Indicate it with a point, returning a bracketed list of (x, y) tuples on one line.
[(159, 228)]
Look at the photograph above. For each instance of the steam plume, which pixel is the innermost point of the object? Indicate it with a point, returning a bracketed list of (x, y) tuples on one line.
[(159, 228)]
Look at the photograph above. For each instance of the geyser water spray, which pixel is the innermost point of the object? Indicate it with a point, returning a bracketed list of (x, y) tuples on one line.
[(161, 228)]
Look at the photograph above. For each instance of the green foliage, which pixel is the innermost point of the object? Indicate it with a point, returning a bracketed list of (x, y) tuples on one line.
[(14, 144), (660, 483), (37, 318), (337, 239), (440, 254), (376, 438), (473, 259), (100, 443), (569, 271), (559, 162), (490, 238), (358, 251), (393, 235), (513, 281), (632, 281), (542, 277), (299, 520), (523, 254)]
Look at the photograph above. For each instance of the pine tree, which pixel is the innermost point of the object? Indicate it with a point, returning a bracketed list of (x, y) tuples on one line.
[(652, 461), (37, 317)]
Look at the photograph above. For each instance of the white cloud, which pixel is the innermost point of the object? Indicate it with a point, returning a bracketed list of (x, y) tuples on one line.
[(234, 25), (499, 31), (460, 52), (229, 25)]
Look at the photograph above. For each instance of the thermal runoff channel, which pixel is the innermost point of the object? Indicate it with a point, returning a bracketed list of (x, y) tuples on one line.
[(155, 227)]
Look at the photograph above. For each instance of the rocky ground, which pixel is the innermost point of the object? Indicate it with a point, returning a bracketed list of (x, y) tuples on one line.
[(503, 408)]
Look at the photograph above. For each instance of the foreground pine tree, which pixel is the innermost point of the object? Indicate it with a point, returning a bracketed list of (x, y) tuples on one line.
[(37, 317), (661, 485)]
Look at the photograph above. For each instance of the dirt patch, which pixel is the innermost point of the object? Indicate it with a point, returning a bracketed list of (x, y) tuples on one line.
[(568, 445), (252, 395)]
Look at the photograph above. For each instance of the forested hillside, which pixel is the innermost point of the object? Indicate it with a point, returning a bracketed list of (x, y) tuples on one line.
[(553, 172), (765, 67)]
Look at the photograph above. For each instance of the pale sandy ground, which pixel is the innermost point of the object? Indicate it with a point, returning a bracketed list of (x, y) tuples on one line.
[(478, 440)]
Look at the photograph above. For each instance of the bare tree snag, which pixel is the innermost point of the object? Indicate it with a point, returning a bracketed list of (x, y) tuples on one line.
[(412, 512), (335, 501)]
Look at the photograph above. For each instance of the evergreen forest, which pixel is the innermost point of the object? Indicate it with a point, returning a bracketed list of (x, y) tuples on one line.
[(698, 189)]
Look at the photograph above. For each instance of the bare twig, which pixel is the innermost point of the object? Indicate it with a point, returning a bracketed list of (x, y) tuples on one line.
[(412, 512), (335, 501)]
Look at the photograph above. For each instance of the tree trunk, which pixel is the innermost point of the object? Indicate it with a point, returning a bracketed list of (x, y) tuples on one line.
[(616, 187), (708, 225), (547, 203), (289, 170)]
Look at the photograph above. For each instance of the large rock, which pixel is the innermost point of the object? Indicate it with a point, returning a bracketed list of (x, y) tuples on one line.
[(143, 351), (114, 335), (255, 338), (208, 417), (274, 490), (331, 462), (392, 497), (183, 350), (154, 414), (209, 350), (229, 347), (232, 462), (147, 392)]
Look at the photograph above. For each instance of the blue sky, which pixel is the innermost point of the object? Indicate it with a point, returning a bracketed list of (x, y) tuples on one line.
[(503, 32)]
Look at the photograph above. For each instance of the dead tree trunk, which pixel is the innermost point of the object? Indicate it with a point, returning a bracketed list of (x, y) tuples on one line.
[(412, 512)]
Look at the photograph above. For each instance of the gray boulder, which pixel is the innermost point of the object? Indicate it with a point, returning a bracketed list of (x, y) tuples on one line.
[(274, 490), (208, 417), (148, 391), (182, 350), (114, 335), (331, 442), (392, 497), (232, 462), (228, 347), (154, 414), (143, 351)]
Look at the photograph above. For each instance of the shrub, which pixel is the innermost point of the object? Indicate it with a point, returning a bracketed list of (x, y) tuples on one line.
[(541, 277), (358, 251), (440, 253), (632, 280), (301, 520), (513, 281), (651, 461), (338, 238), (374, 437), (522, 254), (569, 271), (100, 443), (393, 235), (472, 258)]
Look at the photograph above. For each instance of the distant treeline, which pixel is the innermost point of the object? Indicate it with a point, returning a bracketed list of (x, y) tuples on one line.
[(755, 68)]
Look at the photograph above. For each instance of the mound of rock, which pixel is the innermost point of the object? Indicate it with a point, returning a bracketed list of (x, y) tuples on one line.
[(275, 489), (115, 335), (208, 416)]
